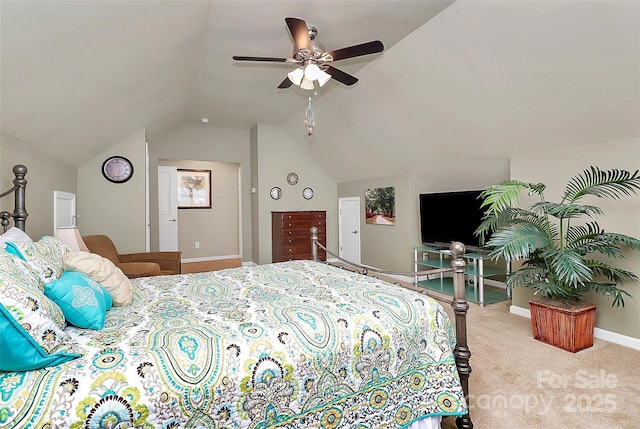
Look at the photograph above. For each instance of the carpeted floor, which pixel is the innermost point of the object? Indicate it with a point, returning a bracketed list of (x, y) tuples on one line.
[(519, 382)]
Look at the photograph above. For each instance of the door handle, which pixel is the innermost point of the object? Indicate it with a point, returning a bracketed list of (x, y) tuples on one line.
[(172, 220), (354, 232)]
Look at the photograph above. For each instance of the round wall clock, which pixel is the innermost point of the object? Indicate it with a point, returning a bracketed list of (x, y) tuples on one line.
[(276, 193), (307, 193), (117, 169), (292, 178)]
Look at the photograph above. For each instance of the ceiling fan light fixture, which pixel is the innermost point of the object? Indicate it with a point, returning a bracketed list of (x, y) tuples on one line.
[(312, 71), (323, 77), (307, 84), (296, 76)]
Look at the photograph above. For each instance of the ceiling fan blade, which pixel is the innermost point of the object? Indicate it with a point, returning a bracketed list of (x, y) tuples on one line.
[(357, 50), (263, 59), (341, 76), (298, 29), (286, 83)]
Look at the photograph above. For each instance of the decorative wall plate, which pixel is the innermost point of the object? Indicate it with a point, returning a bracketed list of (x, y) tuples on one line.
[(292, 178), (307, 193), (276, 193)]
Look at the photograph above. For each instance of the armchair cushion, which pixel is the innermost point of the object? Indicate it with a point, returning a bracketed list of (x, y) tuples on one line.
[(140, 269), (103, 246), (134, 265), (168, 262)]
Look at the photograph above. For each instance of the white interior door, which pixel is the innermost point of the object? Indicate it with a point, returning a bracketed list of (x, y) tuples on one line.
[(167, 208), (64, 209), (349, 228)]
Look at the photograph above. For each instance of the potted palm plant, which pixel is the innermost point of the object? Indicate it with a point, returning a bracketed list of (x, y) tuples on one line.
[(563, 251)]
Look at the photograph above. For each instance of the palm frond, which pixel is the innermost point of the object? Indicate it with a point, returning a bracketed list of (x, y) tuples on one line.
[(589, 239), (568, 266), (613, 183), (526, 276), (611, 245), (506, 195), (509, 216), (518, 241), (615, 274), (609, 290), (617, 239), (566, 211), (578, 234), (553, 290)]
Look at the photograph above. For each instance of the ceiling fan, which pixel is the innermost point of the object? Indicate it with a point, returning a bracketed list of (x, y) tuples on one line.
[(313, 60)]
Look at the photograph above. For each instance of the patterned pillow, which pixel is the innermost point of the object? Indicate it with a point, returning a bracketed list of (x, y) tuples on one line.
[(104, 272), (44, 256), (31, 324), (83, 301)]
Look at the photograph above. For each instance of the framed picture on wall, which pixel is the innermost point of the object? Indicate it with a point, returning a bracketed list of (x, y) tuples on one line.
[(380, 206), (194, 189)]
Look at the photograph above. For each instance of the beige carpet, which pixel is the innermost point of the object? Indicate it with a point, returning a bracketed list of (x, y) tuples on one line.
[(519, 382)]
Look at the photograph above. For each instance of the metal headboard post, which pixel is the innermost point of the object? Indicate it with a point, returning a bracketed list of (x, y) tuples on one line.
[(20, 213)]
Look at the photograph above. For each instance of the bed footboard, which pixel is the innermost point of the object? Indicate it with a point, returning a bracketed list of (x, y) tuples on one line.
[(459, 304)]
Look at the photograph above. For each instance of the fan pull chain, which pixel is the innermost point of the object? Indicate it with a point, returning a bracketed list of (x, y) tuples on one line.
[(309, 121)]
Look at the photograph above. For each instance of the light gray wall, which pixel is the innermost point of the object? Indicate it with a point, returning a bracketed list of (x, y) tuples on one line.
[(199, 142), (281, 151), (117, 210), (389, 247), (45, 175), (216, 229), (555, 168)]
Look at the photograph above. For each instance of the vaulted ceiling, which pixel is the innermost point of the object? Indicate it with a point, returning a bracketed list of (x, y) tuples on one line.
[(470, 78)]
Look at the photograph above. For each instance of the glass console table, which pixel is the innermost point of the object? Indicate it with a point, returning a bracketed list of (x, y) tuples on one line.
[(431, 256)]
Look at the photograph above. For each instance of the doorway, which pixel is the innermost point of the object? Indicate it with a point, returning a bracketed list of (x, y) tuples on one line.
[(349, 228), (203, 233), (167, 208), (64, 209)]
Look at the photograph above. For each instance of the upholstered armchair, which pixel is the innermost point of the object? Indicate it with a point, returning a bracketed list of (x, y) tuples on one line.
[(135, 264)]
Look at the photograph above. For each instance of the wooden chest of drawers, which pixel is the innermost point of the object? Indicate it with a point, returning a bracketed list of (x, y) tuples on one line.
[(291, 236)]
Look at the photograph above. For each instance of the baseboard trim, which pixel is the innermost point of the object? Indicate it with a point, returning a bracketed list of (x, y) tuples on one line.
[(602, 334), (209, 258)]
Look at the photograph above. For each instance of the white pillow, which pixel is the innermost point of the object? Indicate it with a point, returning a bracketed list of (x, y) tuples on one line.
[(104, 272), (13, 234)]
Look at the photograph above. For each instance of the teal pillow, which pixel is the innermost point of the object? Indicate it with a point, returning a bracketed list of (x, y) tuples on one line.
[(83, 301), (20, 352)]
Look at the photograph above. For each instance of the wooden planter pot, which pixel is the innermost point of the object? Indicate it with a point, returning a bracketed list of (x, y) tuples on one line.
[(570, 329)]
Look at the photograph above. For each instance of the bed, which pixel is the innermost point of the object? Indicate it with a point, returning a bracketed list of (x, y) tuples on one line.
[(297, 344)]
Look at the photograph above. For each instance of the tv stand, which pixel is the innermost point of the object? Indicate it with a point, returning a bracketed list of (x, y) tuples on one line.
[(428, 256)]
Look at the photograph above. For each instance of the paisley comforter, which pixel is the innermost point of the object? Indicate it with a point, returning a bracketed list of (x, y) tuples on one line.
[(290, 345)]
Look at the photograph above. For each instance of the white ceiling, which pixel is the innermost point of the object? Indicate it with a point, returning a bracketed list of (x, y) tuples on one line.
[(486, 78)]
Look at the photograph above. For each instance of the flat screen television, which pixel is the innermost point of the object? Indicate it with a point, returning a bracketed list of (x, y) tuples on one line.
[(450, 216)]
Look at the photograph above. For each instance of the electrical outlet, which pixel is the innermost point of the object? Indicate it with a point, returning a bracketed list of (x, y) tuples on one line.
[(197, 244)]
